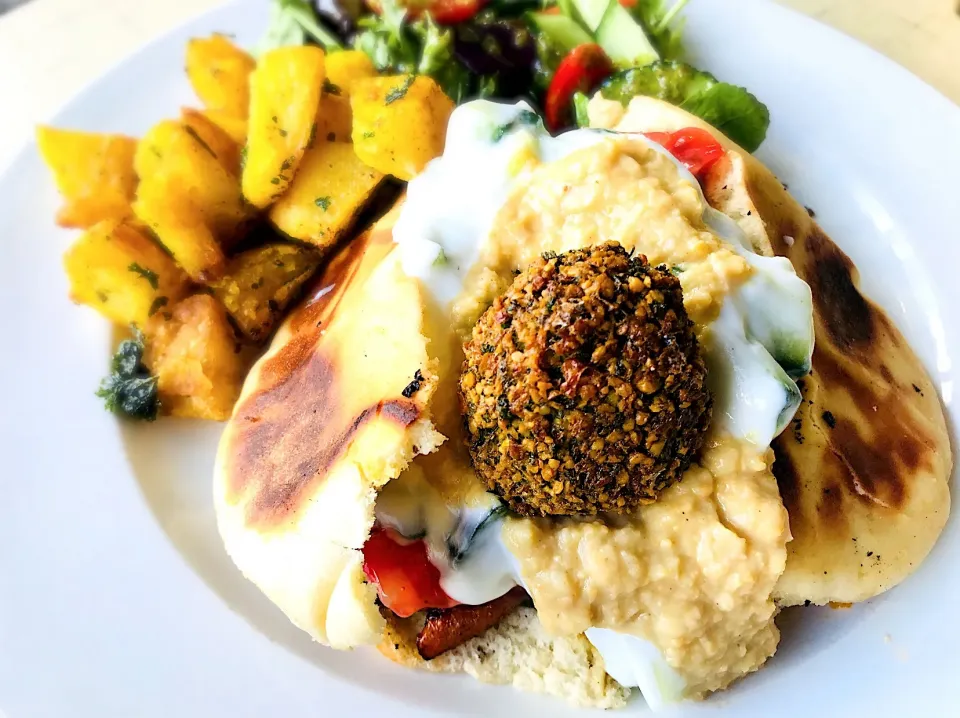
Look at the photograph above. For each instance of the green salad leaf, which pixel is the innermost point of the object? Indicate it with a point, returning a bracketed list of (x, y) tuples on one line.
[(292, 22), (421, 47), (664, 26), (731, 109), (130, 390)]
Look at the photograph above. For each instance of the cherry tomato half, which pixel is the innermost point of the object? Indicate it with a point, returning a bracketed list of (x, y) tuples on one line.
[(445, 12), (584, 67), (406, 580), (696, 149)]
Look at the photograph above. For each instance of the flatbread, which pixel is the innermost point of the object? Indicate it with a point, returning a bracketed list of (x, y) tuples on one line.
[(335, 409), (518, 652), (864, 469)]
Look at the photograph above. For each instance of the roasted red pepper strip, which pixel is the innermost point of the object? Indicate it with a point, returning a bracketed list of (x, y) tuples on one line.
[(406, 580), (445, 630), (445, 12), (584, 67), (696, 149)]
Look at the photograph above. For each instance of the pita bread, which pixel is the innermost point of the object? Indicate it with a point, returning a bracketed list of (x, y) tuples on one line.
[(864, 468), (321, 426), (325, 419)]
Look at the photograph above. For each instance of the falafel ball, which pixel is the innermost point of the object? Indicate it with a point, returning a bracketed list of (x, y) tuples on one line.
[(583, 389)]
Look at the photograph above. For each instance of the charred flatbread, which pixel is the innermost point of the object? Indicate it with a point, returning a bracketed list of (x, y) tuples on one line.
[(864, 468)]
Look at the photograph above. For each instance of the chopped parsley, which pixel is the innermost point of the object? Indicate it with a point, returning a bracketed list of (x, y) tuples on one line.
[(243, 157), (323, 203), (398, 93), (330, 88), (158, 304), (368, 135), (147, 274), (283, 132), (193, 133)]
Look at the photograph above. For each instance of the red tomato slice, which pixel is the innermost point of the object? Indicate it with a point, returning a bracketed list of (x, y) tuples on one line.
[(696, 149), (445, 12), (584, 67), (406, 580)]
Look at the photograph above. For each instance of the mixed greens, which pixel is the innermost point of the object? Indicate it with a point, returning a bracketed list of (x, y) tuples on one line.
[(553, 53)]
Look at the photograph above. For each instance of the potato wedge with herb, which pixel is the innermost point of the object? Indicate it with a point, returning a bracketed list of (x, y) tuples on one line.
[(94, 173), (236, 127), (122, 273), (284, 97), (331, 187), (193, 351), (220, 74), (222, 146), (399, 123), (181, 227), (177, 153), (345, 67), (334, 119), (260, 284)]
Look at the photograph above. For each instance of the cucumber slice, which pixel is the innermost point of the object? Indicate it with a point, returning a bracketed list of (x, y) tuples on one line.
[(561, 31), (623, 39), (592, 11)]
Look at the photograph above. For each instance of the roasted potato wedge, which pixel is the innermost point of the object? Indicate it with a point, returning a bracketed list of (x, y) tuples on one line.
[(178, 153), (122, 273), (94, 173), (331, 187), (399, 123), (220, 74), (334, 119), (284, 98), (345, 67), (260, 284), (236, 127), (195, 355), (181, 227), (222, 146)]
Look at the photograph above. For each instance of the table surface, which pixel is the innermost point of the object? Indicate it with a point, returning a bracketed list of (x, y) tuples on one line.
[(58, 46)]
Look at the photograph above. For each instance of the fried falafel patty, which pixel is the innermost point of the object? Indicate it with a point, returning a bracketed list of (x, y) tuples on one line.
[(583, 389)]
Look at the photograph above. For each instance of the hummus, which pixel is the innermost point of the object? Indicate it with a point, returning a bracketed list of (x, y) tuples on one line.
[(622, 190), (693, 573)]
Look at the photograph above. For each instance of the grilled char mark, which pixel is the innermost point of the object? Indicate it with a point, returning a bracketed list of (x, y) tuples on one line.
[(448, 628)]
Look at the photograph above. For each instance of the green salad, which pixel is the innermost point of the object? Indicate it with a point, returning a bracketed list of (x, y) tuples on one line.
[(553, 53)]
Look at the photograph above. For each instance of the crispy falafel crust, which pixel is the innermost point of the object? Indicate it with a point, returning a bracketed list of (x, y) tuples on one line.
[(583, 388)]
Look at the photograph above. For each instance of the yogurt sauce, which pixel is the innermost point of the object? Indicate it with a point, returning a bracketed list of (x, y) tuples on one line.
[(764, 323)]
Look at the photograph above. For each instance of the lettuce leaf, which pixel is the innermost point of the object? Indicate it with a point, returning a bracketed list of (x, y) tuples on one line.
[(293, 22), (731, 109)]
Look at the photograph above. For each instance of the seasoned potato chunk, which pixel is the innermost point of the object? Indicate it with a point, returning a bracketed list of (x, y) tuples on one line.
[(94, 173), (331, 187), (261, 283), (284, 97), (399, 123), (345, 67), (181, 227), (194, 354), (178, 153), (334, 119), (236, 127), (220, 74), (221, 145), (122, 273)]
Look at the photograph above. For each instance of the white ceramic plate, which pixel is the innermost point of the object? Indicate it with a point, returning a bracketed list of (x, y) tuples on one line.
[(116, 598)]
